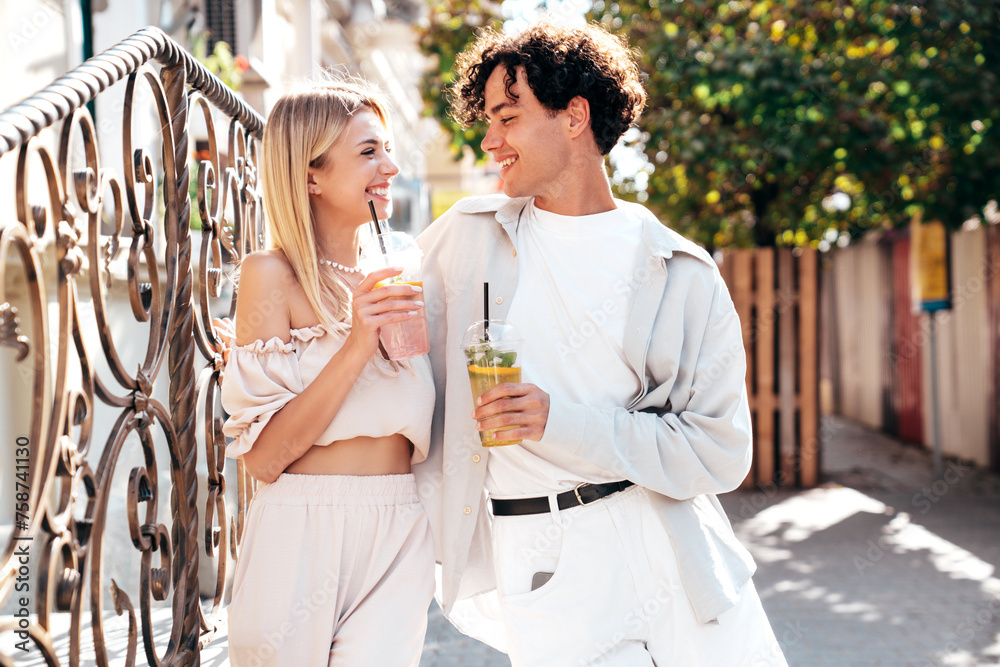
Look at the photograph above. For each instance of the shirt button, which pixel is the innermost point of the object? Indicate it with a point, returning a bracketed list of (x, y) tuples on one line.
[(475, 458), (468, 510), (499, 300)]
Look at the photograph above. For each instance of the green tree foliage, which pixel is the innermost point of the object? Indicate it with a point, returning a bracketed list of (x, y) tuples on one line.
[(450, 27), (759, 111)]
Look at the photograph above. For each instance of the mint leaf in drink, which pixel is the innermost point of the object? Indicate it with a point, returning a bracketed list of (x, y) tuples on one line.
[(485, 355), (507, 359)]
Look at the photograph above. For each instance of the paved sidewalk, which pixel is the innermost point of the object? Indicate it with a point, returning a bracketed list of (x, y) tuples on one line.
[(881, 565)]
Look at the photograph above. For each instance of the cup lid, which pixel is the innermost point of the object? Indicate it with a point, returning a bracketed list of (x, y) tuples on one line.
[(393, 242), (394, 248), (499, 345), (500, 335)]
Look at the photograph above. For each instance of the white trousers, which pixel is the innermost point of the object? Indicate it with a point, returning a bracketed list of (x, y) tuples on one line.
[(615, 597), (334, 571)]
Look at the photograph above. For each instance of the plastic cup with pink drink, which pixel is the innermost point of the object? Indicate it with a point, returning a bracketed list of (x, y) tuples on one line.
[(401, 340)]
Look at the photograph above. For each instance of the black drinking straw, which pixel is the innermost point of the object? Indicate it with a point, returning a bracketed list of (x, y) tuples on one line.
[(378, 226), (486, 310)]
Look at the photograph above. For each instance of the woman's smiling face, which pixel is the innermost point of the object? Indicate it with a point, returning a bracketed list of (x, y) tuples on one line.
[(355, 170)]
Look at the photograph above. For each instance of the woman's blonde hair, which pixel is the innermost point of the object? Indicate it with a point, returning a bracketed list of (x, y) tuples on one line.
[(301, 128)]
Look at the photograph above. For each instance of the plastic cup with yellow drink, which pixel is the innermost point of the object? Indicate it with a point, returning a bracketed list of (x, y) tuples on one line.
[(492, 349)]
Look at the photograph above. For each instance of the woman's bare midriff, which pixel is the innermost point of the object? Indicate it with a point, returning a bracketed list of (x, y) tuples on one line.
[(388, 455)]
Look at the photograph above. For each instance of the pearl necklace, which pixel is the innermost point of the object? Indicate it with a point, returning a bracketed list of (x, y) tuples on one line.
[(338, 265)]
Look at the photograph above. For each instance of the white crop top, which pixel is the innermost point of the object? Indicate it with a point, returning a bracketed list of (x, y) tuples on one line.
[(389, 397)]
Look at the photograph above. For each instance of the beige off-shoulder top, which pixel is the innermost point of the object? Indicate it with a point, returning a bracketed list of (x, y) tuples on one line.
[(389, 397)]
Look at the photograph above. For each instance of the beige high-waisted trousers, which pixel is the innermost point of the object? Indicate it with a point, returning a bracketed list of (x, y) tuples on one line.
[(334, 570)]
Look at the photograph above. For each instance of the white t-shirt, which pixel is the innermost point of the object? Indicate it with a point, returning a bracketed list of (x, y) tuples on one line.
[(574, 286)]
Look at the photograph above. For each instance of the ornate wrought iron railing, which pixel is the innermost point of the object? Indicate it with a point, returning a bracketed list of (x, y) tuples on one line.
[(61, 469)]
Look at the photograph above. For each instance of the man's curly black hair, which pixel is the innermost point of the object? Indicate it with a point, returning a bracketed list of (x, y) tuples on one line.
[(560, 63)]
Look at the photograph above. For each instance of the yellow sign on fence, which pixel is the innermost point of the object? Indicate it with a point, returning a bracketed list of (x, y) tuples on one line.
[(929, 265)]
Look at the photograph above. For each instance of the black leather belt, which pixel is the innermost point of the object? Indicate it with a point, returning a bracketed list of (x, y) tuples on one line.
[(583, 494)]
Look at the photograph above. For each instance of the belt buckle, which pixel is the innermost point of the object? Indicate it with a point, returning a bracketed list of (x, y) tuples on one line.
[(576, 492)]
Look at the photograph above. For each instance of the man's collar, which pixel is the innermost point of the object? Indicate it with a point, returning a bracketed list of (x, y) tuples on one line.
[(507, 209), (659, 239)]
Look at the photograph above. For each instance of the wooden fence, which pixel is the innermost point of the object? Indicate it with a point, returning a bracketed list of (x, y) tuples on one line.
[(776, 293), (880, 363), (993, 352)]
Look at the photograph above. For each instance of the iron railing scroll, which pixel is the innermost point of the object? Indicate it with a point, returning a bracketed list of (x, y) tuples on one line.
[(90, 217)]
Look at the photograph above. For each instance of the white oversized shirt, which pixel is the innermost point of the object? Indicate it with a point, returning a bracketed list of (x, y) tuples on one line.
[(577, 274)]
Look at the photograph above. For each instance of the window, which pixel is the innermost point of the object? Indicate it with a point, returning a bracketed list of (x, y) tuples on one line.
[(220, 20)]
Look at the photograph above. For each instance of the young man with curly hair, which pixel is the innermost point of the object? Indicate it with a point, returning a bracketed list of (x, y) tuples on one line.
[(598, 540)]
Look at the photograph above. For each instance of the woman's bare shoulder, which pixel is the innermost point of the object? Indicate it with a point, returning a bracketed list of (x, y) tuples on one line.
[(266, 283), (266, 264)]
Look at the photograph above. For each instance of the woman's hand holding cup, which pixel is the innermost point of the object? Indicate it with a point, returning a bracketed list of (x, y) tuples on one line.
[(374, 307)]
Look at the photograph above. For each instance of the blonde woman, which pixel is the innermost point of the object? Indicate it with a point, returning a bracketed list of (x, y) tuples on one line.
[(336, 565)]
